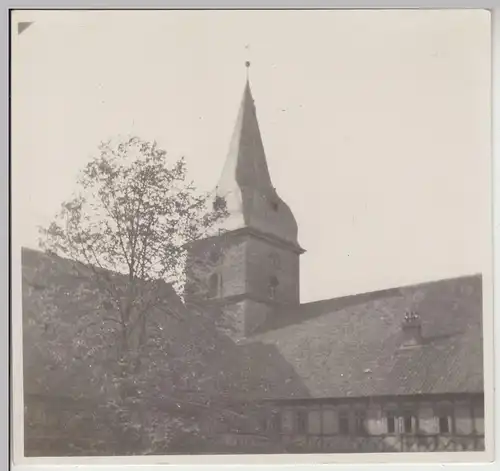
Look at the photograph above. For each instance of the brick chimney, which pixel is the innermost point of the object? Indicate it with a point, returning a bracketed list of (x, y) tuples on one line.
[(412, 329)]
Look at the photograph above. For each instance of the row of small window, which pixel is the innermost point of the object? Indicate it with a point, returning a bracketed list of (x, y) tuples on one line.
[(409, 424), (356, 424), (302, 426)]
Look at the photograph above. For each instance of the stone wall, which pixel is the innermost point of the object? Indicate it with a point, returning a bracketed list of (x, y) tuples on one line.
[(248, 278), (265, 261)]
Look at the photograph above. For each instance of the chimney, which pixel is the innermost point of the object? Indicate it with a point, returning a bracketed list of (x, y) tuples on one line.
[(412, 329)]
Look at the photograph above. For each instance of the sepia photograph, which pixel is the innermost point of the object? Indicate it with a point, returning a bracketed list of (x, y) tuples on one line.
[(262, 232)]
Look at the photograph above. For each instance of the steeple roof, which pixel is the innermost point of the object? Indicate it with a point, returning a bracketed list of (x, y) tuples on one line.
[(246, 185), (246, 162)]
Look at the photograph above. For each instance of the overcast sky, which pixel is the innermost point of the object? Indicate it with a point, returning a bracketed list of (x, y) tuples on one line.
[(375, 124)]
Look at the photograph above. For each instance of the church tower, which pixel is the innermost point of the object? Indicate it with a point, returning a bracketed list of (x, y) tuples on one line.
[(252, 261)]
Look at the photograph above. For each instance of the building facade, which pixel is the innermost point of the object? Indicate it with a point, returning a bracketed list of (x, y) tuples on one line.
[(377, 424), (395, 370), (256, 249)]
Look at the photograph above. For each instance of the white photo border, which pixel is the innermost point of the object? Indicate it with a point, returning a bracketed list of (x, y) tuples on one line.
[(433, 461)]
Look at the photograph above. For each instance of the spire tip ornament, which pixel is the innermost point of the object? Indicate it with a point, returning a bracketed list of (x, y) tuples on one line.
[(247, 65)]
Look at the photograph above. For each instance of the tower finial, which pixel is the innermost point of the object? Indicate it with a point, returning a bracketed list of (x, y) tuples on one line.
[(247, 62)]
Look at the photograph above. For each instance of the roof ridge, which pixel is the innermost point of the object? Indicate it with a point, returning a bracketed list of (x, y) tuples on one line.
[(53, 255), (397, 288), (388, 291)]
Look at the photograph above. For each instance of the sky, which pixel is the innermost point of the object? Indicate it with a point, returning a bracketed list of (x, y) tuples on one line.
[(375, 124)]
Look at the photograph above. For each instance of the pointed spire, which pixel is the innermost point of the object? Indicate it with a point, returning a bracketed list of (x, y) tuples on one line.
[(246, 161), (246, 185)]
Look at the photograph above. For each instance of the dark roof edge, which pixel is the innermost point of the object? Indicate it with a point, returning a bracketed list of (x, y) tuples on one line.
[(369, 294), (393, 291), (440, 280), (377, 398), (42, 253)]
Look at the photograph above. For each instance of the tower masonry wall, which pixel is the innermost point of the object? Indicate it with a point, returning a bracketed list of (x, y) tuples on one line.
[(243, 318), (267, 263)]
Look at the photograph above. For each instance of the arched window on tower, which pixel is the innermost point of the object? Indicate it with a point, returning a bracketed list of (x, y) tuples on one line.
[(214, 285), (273, 285)]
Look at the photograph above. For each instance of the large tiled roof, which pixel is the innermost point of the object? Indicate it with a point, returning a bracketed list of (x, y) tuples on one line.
[(59, 300), (344, 347), (355, 346)]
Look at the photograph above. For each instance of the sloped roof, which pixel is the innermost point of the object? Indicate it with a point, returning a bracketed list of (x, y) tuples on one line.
[(245, 183), (59, 299), (344, 347), (354, 346)]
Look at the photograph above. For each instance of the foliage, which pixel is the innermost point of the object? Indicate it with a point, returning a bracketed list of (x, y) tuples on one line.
[(135, 213), (132, 343)]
